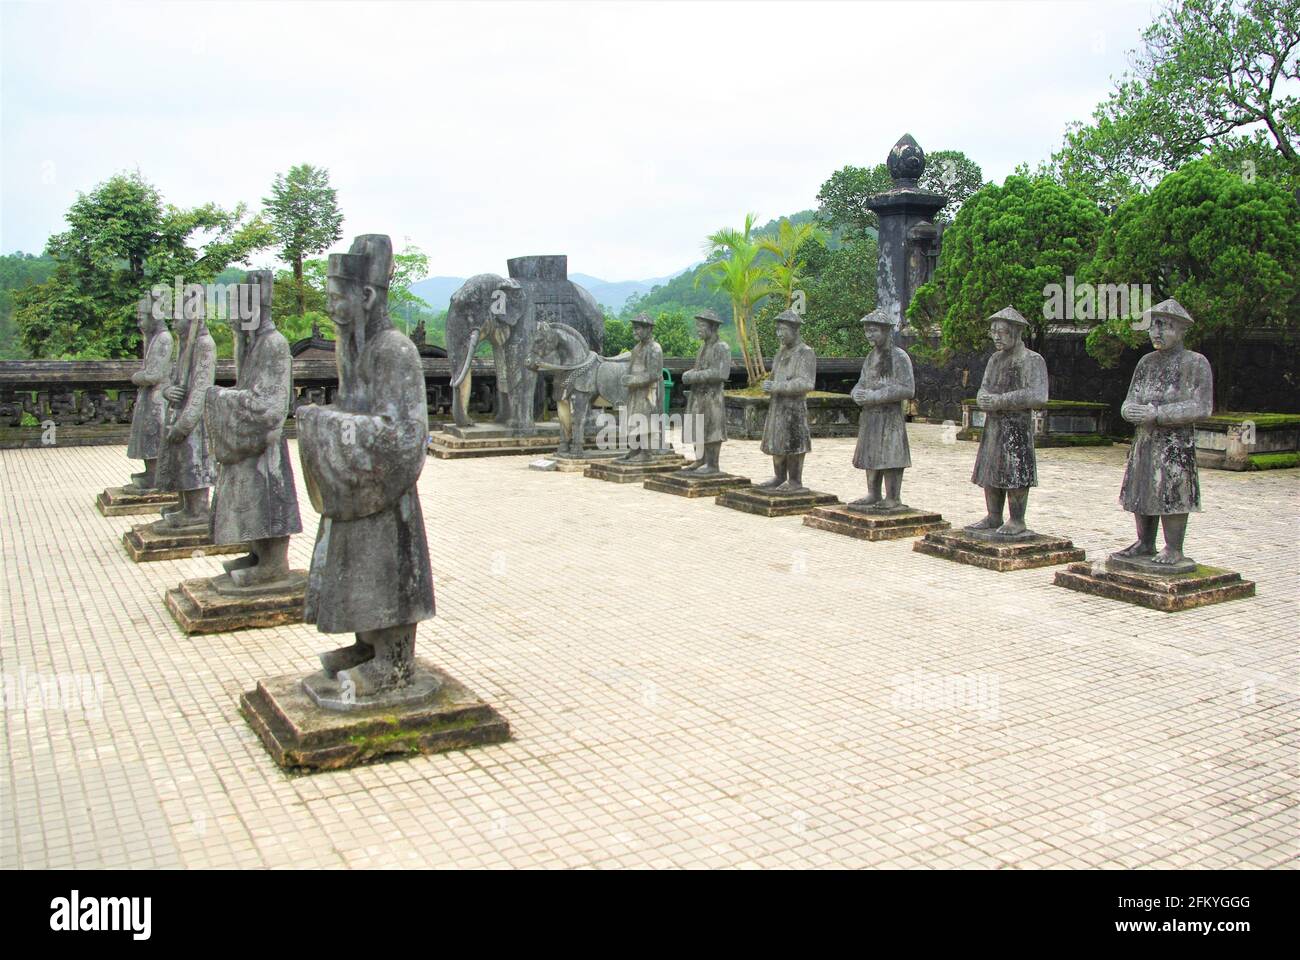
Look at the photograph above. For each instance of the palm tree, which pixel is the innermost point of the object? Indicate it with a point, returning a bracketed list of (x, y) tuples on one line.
[(786, 271), (734, 269)]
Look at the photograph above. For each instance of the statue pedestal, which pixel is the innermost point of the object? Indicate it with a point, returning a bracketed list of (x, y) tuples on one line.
[(999, 553), (200, 607), (492, 440), (300, 735), (117, 502), (145, 543), (882, 525), (570, 463), (692, 485), (765, 503), (618, 471), (1168, 593)]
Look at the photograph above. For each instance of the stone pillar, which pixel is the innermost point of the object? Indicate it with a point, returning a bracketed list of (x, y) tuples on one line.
[(908, 239)]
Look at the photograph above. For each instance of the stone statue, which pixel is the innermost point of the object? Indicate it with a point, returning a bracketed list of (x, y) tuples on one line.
[(361, 458), (255, 500), (1171, 389), (1014, 385), (644, 380), (580, 375), (419, 335), (705, 405), (148, 416), (184, 462), (882, 449), (786, 436)]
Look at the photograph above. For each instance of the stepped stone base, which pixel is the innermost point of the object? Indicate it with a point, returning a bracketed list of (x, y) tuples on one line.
[(691, 485), (999, 553), (765, 503), (300, 735), (143, 544), (571, 463), (117, 502), (882, 525), (618, 471), (491, 440), (201, 606), (1169, 593)]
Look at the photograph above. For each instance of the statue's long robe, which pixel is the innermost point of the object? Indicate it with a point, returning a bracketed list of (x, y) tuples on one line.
[(370, 566), (1160, 477), (150, 407), (645, 366), (882, 431), (255, 498), (1018, 380), (187, 464), (794, 372), (708, 378)]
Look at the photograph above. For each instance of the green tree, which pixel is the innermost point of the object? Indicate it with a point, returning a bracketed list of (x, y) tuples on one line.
[(1212, 74), (842, 199), (734, 268), (18, 271), (1006, 246), (121, 240), (787, 248), (841, 288), (304, 211), (1226, 248), (410, 266)]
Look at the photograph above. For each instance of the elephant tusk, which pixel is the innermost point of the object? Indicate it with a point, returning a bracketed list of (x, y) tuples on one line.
[(469, 358)]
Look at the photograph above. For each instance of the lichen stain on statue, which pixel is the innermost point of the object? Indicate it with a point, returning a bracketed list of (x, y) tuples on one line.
[(255, 499), (361, 459)]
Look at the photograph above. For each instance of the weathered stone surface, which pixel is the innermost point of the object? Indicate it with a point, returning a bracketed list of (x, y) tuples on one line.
[(1202, 586), (200, 607), (620, 471), (878, 526), (766, 503), (695, 485), (577, 463), (300, 735), (490, 440), (116, 502), (998, 553), (145, 542)]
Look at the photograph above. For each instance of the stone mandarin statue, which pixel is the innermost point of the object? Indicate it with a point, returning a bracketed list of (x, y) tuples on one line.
[(1171, 389), (882, 449), (1014, 385), (645, 370), (707, 379), (185, 463), (786, 436), (149, 413), (255, 500), (361, 458)]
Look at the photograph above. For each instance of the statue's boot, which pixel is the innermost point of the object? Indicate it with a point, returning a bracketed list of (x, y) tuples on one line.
[(239, 563), (270, 568), (342, 658), (392, 666)]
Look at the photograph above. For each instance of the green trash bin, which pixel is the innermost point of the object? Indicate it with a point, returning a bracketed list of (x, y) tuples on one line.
[(668, 390)]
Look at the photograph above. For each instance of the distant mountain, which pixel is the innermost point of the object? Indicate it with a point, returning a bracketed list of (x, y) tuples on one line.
[(611, 295)]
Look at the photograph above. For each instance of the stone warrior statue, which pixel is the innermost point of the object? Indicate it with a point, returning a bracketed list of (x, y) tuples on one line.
[(706, 379), (786, 437), (184, 463), (882, 449), (147, 417), (644, 379), (255, 499), (1171, 389), (1014, 385), (361, 458)]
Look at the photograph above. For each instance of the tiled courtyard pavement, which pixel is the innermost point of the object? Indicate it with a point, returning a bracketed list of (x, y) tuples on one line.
[(687, 686)]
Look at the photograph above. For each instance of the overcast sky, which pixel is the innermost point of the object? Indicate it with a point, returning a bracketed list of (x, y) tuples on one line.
[(619, 133)]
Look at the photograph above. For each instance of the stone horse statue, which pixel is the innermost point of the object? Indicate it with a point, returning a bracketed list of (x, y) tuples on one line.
[(580, 374)]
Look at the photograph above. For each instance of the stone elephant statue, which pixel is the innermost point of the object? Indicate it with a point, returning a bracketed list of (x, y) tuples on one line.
[(505, 312)]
